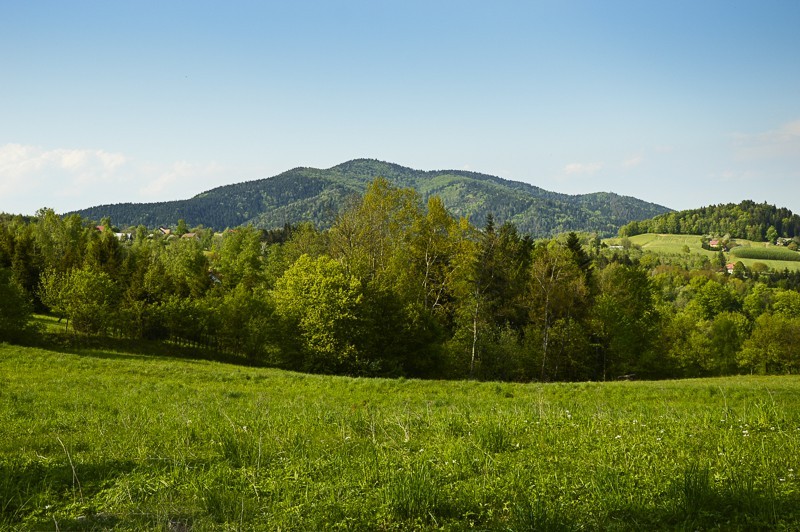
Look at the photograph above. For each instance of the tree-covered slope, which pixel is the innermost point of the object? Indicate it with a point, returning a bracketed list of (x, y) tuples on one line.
[(748, 219), (310, 194)]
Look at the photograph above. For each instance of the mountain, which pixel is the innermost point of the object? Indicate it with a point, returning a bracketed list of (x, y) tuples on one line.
[(310, 194)]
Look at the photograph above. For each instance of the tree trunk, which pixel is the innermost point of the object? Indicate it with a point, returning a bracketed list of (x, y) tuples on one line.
[(474, 339)]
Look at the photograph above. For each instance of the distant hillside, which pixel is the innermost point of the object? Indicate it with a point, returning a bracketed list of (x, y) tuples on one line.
[(748, 219), (310, 194)]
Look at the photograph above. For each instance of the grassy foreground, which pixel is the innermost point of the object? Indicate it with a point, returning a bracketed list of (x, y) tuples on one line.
[(98, 440)]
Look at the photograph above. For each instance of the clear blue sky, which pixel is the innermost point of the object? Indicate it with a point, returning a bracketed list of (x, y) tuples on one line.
[(682, 103)]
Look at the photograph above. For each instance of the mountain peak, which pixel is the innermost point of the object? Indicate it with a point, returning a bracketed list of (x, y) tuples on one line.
[(310, 194)]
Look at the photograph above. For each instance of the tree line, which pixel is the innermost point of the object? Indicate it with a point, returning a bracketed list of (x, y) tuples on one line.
[(759, 222), (398, 287)]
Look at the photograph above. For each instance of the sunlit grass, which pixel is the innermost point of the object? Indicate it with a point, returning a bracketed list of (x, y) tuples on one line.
[(671, 243), (674, 245), (101, 440)]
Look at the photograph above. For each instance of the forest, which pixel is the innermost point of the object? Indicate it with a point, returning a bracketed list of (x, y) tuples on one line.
[(398, 286), (316, 195), (754, 221)]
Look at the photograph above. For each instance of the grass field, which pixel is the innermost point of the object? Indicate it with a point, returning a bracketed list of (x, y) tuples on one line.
[(97, 439), (671, 243), (674, 244), (769, 253)]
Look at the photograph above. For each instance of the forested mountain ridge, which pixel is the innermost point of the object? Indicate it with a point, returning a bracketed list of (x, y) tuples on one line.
[(310, 194), (748, 219)]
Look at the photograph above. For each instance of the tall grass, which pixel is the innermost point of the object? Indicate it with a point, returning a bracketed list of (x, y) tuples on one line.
[(97, 440)]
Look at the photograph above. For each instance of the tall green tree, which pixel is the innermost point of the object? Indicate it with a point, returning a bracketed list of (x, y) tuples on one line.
[(371, 237), (87, 297), (185, 266), (245, 322), (104, 252), (61, 241), (239, 258), (15, 308), (625, 323), (319, 304), (773, 347), (557, 296)]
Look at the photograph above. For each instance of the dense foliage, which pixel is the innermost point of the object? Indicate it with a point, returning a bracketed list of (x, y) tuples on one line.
[(753, 221), (15, 308), (400, 288), (309, 194)]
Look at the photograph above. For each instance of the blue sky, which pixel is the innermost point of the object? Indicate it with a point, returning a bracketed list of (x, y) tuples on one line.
[(679, 103)]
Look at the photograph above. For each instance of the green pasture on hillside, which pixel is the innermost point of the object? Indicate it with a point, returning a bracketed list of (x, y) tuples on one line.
[(778, 253), (671, 243), (777, 265), (96, 439), (674, 244)]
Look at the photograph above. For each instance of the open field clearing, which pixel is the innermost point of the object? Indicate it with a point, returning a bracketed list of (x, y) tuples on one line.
[(664, 243), (97, 439), (777, 265), (674, 244), (671, 243), (768, 253)]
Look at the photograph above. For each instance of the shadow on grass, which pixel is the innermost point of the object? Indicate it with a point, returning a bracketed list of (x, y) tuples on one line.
[(29, 487), (35, 495), (693, 502), (725, 512), (125, 348)]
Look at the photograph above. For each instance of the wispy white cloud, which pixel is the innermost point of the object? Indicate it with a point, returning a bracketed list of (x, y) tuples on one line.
[(782, 142), (632, 162), (582, 168), (177, 176), (734, 176), (33, 173), (19, 159), (65, 179)]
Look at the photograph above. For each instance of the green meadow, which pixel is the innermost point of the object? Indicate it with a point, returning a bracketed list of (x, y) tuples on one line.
[(671, 243), (767, 254), (97, 439)]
